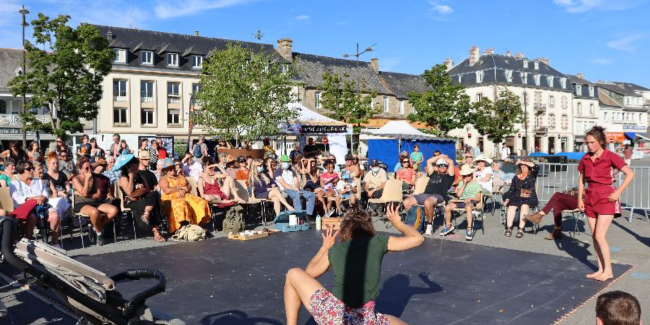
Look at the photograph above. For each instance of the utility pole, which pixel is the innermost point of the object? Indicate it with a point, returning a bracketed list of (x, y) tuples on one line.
[(24, 12), (526, 122), (357, 55)]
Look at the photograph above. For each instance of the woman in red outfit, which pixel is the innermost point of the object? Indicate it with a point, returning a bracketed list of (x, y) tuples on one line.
[(600, 201)]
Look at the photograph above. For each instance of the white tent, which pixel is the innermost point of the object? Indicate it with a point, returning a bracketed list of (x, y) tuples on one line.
[(399, 129)]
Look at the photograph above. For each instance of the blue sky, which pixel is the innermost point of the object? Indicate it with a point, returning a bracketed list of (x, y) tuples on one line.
[(605, 39)]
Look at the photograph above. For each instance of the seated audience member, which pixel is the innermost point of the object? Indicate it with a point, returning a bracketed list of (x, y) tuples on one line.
[(56, 179), (15, 152), (618, 308), (159, 171), (355, 161), (95, 151), (521, 195), (226, 182), (296, 162), (402, 156), (311, 183), (9, 173), (346, 189), (38, 170), (375, 180), (113, 175), (103, 183), (67, 166), (222, 162), (138, 185), (124, 148), (264, 187), (352, 168), (243, 172), (469, 159), (469, 194), (178, 204), (27, 188), (497, 178), (483, 173), (288, 182), (328, 180), (231, 167), (558, 203), (210, 190), (441, 178), (191, 166), (406, 174), (88, 200)]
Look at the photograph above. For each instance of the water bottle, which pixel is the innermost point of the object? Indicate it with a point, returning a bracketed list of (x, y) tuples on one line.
[(318, 222)]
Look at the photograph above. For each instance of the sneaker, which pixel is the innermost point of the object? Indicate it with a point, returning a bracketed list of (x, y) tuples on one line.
[(429, 230), (92, 236), (329, 213), (469, 234), (100, 239), (445, 231)]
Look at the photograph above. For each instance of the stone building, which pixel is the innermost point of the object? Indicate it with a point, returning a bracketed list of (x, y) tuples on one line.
[(629, 113), (586, 108)]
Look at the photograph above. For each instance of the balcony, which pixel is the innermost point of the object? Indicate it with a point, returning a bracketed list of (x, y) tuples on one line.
[(13, 120), (173, 99), (539, 108), (120, 96), (146, 97), (541, 130)]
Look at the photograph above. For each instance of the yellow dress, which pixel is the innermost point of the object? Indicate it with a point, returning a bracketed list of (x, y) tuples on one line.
[(190, 208)]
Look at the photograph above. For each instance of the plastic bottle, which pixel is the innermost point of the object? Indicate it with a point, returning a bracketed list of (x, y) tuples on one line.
[(319, 221)]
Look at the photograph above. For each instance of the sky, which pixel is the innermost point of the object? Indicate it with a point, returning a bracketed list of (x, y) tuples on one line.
[(604, 39)]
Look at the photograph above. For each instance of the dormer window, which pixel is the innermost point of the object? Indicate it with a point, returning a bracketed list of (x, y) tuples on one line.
[(508, 75), (479, 76), (120, 56), (537, 79), (579, 90), (524, 78), (172, 59), (197, 62), (591, 91), (536, 65), (525, 64), (550, 79), (19, 72), (563, 83), (146, 57), (460, 78)]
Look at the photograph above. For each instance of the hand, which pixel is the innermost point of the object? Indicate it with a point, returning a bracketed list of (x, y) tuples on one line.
[(329, 239), (581, 205), (392, 213), (181, 193), (370, 193), (506, 202), (613, 197), (40, 201), (467, 201), (62, 194)]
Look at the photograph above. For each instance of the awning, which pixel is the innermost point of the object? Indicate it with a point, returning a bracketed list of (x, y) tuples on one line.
[(615, 137), (630, 135), (643, 136)]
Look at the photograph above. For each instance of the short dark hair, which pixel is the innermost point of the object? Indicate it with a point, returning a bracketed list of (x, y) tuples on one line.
[(117, 135), (10, 161), (618, 308), (23, 165)]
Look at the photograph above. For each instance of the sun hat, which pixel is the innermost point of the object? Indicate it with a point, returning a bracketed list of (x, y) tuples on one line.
[(144, 154), (441, 162), (483, 158), (122, 160), (168, 163), (466, 170)]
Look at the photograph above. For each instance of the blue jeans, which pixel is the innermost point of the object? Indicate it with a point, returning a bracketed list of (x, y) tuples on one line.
[(310, 197)]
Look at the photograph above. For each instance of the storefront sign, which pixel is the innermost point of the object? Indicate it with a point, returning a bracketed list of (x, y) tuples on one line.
[(323, 129), (615, 137), (633, 127), (10, 131)]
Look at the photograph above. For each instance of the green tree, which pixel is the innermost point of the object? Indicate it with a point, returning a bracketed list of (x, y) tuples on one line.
[(66, 77), (245, 94), (445, 106), (341, 98), (496, 119)]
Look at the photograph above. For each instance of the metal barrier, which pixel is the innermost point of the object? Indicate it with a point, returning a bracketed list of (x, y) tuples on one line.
[(561, 177)]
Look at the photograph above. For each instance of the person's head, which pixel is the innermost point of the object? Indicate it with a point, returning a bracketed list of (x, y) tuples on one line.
[(59, 142), (436, 153), (481, 162), (355, 160), (130, 167), (160, 142), (296, 146), (144, 143), (123, 144), (332, 158), (404, 154), (93, 143), (442, 166), (25, 169), (523, 169), (33, 146), (154, 144), (116, 138), (298, 158), (38, 170), (467, 173), (496, 166), (178, 167), (84, 165), (63, 155), (52, 161), (202, 139), (285, 162), (310, 141), (159, 167), (416, 148), (374, 166), (232, 163), (10, 166), (405, 162), (270, 164), (110, 163), (349, 160), (595, 139), (222, 158), (144, 158), (266, 142), (469, 158), (169, 167), (257, 168), (356, 224), (618, 308), (84, 138), (207, 160), (15, 146), (329, 166)]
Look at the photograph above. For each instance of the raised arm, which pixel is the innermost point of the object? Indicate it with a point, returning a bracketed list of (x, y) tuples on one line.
[(320, 263), (411, 239)]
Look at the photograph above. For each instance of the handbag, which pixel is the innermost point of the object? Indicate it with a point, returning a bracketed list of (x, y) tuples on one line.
[(137, 194)]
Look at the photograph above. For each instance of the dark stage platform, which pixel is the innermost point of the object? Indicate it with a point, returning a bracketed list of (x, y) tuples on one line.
[(442, 282)]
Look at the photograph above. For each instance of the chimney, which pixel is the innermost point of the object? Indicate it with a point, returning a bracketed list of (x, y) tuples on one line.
[(285, 48), (196, 33), (508, 54), (545, 61), (374, 63), (449, 63), (474, 55), (580, 75), (519, 55), (488, 51), (109, 35)]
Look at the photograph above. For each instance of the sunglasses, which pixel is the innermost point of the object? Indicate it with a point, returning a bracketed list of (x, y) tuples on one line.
[(59, 141), (405, 162), (469, 156), (29, 169)]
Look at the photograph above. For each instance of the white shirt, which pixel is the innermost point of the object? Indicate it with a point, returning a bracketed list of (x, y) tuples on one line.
[(20, 191), (193, 170), (505, 152), (340, 185), (480, 174), (287, 175)]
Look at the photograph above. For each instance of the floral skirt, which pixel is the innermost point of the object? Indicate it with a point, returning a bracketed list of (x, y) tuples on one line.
[(329, 310)]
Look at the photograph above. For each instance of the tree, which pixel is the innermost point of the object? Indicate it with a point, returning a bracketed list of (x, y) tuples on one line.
[(67, 78), (497, 119), (341, 98), (445, 106), (244, 94)]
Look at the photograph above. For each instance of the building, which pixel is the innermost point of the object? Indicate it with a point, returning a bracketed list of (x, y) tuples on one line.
[(545, 95), (628, 112), (640, 90), (586, 108)]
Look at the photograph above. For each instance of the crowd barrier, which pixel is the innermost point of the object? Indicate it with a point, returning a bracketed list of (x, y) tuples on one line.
[(561, 177)]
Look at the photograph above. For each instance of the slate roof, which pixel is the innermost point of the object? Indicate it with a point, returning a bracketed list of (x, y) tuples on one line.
[(605, 100), (10, 60), (617, 89), (136, 40), (401, 83), (494, 67), (631, 86), (310, 70), (585, 87)]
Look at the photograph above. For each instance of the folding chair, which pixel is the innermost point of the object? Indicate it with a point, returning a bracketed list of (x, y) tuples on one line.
[(125, 211), (80, 215), (576, 215), (262, 204), (392, 193), (504, 213), (242, 192), (480, 208), (194, 189)]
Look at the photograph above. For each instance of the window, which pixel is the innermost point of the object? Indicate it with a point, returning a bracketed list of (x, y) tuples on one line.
[(551, 101), (539, 121), (537, 79), (605, 115), (3, 106), (120, 56), (551, 121), (172, 59), (592, 110), (196, 88), (401, 107), (479, 96), (146, 117), (564, 103), (460, 78), (579, 109), (146, 57), (591, 91), (119, 90), (524, 78), (479, 76), (174, 116), (536, 65), (627, 100), (565, 122), (173, 92), (119, 115), (146, 88), (508, 75), (563, 83), (526, 64), (197, 62), (386, 106), (19, 71), (550, 80), (579, 90), (317, 99)]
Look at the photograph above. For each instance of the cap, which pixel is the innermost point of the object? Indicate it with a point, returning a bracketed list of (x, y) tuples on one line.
[(285, 158), (374, 162), (348, 157), (241, 159), (441, 162)]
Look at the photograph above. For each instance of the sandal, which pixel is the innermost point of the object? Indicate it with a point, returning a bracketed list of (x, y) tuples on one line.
[(520, 233), (508, 232), (158, 237)]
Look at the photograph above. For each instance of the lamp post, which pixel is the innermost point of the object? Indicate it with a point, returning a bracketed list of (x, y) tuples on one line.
[(23, 11), (357, 55), (526, 122)]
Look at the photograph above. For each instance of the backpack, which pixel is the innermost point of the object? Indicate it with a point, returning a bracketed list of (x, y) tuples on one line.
[(197, 152), (234, 220), (415, 218), (189, 233)]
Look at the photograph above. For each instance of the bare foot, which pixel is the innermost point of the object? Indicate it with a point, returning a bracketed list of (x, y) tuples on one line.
[(595, 274), (604, 276)]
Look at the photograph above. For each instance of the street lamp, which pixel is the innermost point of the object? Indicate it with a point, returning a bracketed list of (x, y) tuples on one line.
[(357, 55), (24, 24)]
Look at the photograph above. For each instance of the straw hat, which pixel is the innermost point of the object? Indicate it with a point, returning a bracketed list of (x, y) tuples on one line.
[(481, 157), (466, 170)]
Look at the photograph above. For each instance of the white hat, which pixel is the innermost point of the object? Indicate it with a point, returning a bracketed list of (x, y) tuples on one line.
[(481, 157), (466, 170), (442, 162)]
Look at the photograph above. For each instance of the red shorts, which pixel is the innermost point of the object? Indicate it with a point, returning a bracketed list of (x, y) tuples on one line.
[(596, 202), (329, 310)]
